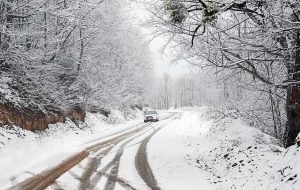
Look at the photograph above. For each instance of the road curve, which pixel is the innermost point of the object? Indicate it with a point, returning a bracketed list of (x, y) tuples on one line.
[(88, 180)]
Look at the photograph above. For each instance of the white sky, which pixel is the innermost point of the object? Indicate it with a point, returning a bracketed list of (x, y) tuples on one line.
[(162, 61)]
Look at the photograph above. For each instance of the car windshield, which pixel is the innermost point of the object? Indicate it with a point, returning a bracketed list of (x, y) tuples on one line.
[(150, 112)]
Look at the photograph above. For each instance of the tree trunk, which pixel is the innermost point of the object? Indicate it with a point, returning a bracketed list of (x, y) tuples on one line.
[(81, 49), (293, 97)]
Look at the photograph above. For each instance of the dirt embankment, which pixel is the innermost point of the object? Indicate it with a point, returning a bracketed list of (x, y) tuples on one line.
[(34, 119)]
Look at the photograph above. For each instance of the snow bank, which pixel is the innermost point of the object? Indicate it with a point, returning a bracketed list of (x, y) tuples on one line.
[(234, 155), (122, 115)]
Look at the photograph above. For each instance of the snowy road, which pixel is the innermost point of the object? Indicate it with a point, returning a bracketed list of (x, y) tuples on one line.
[(118, 162)]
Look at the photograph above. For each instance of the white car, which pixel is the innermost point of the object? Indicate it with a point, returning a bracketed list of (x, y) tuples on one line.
[(150, 116)]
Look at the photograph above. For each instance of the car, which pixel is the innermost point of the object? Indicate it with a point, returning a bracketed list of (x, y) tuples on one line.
[(151, 116)]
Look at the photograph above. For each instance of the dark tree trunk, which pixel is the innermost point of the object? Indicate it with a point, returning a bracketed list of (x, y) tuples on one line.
[(293, 98)]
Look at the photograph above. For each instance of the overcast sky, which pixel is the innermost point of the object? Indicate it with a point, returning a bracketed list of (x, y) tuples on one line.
[(162, 61)]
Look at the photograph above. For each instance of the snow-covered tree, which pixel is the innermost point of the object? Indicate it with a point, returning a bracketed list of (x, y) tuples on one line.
[(255, 41), (57, 55)]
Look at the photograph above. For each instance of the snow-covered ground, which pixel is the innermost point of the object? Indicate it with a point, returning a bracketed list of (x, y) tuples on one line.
[(200, 148), (287, 175)]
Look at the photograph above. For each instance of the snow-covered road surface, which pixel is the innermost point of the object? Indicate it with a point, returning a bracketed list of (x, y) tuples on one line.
[(144, 156), (168, 154)]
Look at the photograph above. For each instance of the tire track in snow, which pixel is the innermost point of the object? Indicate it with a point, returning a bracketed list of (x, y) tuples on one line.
[(47, 178), (142, 163), (110, 184), (92, 165), (114, 165)]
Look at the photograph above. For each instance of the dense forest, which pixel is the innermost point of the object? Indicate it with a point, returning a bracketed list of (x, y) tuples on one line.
[(61, 58)]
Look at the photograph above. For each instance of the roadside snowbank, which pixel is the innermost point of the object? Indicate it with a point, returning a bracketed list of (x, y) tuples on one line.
[(235, 155), (21, 151)]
